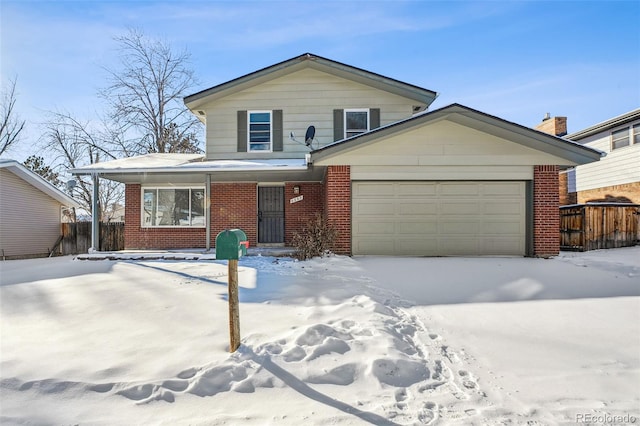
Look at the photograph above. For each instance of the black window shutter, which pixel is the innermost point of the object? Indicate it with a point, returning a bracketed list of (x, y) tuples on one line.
[(276, 117), (374, 118), (338, 124), (242, 131)]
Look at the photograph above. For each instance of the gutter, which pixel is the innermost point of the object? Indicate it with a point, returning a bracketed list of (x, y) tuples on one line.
[(140, 170)]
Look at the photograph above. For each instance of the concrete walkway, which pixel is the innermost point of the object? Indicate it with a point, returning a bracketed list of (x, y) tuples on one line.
[(184, 254)]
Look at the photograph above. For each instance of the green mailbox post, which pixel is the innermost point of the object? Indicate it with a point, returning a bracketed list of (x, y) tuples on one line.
[(231, 245)]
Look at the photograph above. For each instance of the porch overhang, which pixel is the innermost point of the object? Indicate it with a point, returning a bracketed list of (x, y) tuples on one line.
[(193, 168)]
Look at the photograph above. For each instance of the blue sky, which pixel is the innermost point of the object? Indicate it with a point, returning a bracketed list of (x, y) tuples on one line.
[(514, 59)]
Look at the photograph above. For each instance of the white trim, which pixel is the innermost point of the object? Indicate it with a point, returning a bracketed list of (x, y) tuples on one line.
[(344, 119), (135, 165), (270, 112), (157, 187)]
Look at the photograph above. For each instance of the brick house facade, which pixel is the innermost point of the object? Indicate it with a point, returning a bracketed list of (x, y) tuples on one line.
[(389, 176)]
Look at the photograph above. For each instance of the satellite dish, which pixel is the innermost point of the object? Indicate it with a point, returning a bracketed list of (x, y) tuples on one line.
[(71, 183), (309, 135)]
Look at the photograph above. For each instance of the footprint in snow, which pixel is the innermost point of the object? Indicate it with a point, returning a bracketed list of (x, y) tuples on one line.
[(427, 415)]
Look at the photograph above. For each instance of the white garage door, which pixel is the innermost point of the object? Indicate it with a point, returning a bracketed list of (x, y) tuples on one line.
[(439, 218)]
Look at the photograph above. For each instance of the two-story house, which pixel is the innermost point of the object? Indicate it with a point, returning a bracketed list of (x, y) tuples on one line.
[(314, 135), (615, 178)]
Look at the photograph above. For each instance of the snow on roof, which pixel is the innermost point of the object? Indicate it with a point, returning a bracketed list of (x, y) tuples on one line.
[(176, 163), (38, 182)]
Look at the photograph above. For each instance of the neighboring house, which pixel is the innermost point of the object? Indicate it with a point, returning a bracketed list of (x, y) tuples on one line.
[(616, 177), (30, 212), (391, 177)]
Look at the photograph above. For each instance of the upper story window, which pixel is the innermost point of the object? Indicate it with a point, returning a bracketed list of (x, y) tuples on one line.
[(620, 138), (173, 207), (356, 122), (259, 131), (625, 137)]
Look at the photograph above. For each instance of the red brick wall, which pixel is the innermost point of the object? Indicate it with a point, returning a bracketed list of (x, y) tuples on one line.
[(546, 214), (136, 237), (234, 205), (296, 215), (566, 197), (338, 205)]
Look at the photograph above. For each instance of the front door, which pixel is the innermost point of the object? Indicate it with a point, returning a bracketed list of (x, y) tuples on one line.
[(271, 214)]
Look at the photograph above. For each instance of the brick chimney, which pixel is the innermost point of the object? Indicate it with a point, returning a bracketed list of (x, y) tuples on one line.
[(556, 126)]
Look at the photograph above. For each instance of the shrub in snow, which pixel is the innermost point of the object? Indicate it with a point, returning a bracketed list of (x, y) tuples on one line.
[(316, 238)]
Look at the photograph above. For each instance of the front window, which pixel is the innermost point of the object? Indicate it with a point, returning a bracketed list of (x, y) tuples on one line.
[(620, 138), (636, 134), (356, 122), (173, 207), (259, 131)]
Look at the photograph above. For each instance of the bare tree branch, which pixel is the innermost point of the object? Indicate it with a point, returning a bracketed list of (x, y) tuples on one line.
[(73, 144), (10, 124), (145, 95)]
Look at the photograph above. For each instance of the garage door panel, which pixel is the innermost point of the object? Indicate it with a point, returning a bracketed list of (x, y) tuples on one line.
[(374, 228), (503, 189), (439, 218), (409, 189), (426, 229), (459, 246), (459, 208), (409, 247), (373, 208), (459, 228), (375, 190), (406, 208), (498, 207), (457, 189), (505, 227), (374, 246)]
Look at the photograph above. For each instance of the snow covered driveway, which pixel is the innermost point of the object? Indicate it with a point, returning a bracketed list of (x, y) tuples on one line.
[(368, 340)]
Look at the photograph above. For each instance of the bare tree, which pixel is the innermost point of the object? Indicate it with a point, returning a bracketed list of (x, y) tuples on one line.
[(10, 124), (145, 96), (72, 144)]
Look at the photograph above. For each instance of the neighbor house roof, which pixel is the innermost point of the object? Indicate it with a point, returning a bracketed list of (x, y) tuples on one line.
[(606, 125), (478, 120), (309, 60), (38, 182)]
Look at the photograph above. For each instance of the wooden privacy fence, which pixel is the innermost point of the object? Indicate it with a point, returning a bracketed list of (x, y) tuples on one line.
[(586, 227), (76, 237)]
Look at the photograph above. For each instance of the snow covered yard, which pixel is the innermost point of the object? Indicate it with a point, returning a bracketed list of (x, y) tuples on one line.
[(369, 340)]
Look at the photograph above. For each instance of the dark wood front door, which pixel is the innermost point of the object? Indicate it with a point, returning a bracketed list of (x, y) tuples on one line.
[(271, 214)]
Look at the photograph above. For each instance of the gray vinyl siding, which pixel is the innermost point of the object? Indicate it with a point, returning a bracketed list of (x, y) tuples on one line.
[(29, 218), (307, 97), (620, 166)]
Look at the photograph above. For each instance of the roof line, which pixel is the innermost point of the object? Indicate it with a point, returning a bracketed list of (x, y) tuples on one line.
[(606, 125), (38, 182), (289, 62), (441, 110)]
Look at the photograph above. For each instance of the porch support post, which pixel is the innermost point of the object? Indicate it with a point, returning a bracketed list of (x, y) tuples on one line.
[(95, 216), (207, 211)]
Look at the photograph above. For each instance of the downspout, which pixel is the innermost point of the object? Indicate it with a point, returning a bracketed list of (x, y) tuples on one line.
[(207, 211), (95, 217)]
